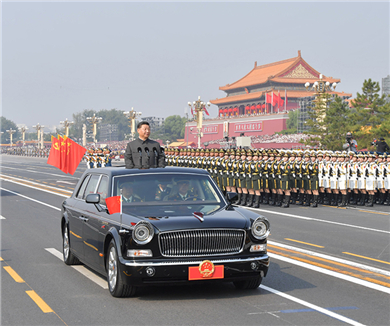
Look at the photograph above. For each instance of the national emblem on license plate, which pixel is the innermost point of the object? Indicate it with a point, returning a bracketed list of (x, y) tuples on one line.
[(206, 270)]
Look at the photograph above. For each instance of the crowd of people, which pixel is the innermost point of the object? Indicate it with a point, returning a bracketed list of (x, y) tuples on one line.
[(282, 178), (263, 139)]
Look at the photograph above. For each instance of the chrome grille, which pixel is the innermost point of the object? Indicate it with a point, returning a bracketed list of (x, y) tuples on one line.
[(206, 242)]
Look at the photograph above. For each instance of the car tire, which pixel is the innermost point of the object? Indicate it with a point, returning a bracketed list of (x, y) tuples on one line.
[(114, 279), (69, 258), (250, 284)]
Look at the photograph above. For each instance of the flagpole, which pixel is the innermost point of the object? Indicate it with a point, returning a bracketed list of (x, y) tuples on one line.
[(121, 231), (272, 103), (285, 100)]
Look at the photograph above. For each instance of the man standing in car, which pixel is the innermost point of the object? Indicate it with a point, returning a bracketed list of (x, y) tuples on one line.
[(144, 153)]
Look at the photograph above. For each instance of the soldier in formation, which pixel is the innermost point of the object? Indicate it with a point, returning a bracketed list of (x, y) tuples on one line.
[(98, 158), (284, 178)]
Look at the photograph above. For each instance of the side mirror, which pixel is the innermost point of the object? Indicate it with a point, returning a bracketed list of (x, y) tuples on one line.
[(231, 197), (93, 199)]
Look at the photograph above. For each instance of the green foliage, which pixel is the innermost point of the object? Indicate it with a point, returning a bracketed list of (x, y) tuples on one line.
[(6, 124), (368, 119), (291, 124), (328, 123), (172, 129)]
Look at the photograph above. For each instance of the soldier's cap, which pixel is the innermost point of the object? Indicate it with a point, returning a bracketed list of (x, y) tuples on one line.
[(320, 154), (181, 180), (299, 154), (249, 152), (285, 155), (360, 155), (127, 184)]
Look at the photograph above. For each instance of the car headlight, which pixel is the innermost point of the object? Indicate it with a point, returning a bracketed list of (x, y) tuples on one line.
[(260, 228), (143, 232)]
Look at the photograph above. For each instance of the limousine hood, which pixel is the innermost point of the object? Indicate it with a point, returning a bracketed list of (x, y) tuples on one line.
[(222, 219)]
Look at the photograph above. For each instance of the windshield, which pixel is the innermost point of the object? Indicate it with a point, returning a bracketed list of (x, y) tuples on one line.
[(167, 194)]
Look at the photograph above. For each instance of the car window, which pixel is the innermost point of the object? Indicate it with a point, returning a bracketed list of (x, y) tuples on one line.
[(81, 191), (103, 189), (91, 186), (167, 188)]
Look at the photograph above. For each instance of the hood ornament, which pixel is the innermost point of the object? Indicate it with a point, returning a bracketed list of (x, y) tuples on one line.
[(198, 215)]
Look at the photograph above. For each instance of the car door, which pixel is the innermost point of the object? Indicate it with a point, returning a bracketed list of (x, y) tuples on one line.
[(94, 226), (75, 223), (83, 214)]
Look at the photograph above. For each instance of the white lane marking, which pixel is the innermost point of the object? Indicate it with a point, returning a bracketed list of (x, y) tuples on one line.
[(319, 220), (33, 171), (67, 182), (312, 306), (339, 260), (32, 199), (2, 217), (344, 277), (48, 191), (81, 269)]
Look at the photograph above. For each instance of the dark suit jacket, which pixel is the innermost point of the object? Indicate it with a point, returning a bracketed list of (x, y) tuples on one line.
[(134, 159)]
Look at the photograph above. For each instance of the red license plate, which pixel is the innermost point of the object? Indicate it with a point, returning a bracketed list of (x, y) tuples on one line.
[(207, 273)]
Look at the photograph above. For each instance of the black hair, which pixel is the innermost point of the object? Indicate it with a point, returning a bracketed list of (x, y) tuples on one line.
[(140, 124)]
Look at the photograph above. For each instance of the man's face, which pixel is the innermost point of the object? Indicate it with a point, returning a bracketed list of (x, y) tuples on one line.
[(127, 191), (183, 187), (144, 132)]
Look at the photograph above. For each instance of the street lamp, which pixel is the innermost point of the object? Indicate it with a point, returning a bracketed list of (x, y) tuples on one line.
[(94, 120), (320, 87), (23, 131), (10, 131), (132, 116), (199, 107), (67, 124), (39, 129)]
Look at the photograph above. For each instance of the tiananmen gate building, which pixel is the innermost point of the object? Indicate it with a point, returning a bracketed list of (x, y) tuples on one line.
[(259, 102)]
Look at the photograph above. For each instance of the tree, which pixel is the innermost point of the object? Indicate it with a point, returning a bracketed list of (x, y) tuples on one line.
[(370, 117), (172, 129), (291, 124), (7, 125), (328, 122)]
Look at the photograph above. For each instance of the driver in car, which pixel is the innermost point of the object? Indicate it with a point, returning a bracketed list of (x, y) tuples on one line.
[(184, 192)]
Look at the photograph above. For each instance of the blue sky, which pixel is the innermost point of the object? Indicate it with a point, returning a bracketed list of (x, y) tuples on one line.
[(62, 58)]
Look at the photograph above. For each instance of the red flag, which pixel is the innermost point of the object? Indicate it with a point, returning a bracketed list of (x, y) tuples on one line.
[(205, 110), (74, 155), (268, 98), (280, 101), (192, 112), (114, 204), (55, 155)]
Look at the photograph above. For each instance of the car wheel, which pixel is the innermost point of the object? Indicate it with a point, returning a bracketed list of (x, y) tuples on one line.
[(114, 278), (69, 258), (250, 284)]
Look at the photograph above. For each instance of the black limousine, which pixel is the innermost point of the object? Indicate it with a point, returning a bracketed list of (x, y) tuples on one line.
[(171, 225)]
